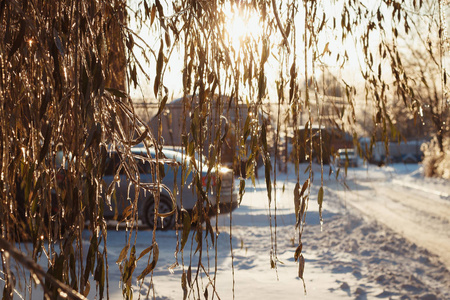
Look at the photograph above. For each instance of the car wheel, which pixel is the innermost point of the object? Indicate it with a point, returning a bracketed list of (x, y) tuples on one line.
[(165, 206)]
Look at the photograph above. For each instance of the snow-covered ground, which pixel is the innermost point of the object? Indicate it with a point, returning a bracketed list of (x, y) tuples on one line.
[(356, 254), (385, 235)]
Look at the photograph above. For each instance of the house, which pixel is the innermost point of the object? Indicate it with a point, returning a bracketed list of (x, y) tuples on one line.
[(220, 119)]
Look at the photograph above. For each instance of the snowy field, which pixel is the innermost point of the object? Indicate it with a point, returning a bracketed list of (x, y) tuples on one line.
[(386, 236)]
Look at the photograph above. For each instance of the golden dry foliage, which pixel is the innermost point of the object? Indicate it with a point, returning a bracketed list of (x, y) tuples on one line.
[(62, 72), (60, 107)]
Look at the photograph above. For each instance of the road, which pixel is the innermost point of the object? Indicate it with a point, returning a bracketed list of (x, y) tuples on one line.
[(418, 212)]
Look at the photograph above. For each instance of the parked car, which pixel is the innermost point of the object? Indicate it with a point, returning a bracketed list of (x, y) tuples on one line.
[(347, 157), (183, 189)]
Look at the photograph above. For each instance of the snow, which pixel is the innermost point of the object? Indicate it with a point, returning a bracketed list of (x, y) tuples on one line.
[(353, 256), (385, 236)]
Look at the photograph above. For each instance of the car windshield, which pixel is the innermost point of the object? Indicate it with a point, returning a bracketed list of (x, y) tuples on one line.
[(344, 153)]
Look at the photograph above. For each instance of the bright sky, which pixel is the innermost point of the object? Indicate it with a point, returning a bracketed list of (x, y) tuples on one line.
[(243, 24)]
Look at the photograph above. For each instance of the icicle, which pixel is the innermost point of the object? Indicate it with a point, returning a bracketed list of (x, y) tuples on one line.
[(128, 192), (171, 270), (108, 201), (36, 278), (63, 294)]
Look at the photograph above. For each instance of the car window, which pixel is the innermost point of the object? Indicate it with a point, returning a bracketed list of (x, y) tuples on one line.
[(62, 161), (143, 165)]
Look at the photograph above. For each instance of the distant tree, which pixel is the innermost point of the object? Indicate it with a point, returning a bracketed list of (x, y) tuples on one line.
[(419, 107), (68, 66), (429, 95)]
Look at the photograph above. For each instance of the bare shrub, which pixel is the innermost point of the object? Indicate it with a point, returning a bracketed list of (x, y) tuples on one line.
[(435, 162)]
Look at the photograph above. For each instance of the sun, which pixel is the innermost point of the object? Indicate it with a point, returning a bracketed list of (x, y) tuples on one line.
[(241, 23)]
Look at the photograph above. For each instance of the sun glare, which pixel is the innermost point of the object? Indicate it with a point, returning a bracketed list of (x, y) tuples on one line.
[(241, 23)]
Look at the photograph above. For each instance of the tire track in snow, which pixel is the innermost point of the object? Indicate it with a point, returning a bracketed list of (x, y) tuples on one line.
[(422, 219)]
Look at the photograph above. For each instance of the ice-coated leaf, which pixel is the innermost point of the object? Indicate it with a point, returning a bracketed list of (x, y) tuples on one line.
[(152, 265), (94, 135), (186, 227), (58, 42), (46, 131), (141, 137), (87, 289), (304, 187), (123, 254), (272, 263), (326, 49), (99, 275), (241, 189), (184, 285), (189, 275), (268, 169), (264, 137), (19, 39), (159, 66), (45, 101), (209, 230), (320, 198), (153, 14), (298, 252), (297, 199), (145, 252), (116, 92), (293, 74), (162, 105), (301, 266)]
